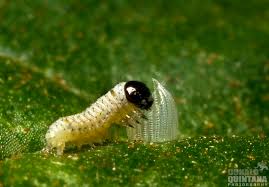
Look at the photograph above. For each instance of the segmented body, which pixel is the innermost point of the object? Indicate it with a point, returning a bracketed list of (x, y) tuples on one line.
[(91, 125)]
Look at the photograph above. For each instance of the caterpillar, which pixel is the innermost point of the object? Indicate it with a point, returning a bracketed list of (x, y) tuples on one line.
[(124, 104)]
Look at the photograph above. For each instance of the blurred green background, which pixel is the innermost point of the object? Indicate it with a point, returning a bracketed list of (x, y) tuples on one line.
[(57, 57)]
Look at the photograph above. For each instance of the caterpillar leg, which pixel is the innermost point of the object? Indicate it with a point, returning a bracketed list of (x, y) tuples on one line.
[(49, 148), (133, 119), (60, 149), (137, 120)]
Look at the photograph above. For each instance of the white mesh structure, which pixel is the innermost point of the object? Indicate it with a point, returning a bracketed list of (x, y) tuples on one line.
[(162, 120)]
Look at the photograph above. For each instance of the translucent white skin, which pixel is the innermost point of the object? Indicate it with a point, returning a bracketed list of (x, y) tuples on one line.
[(162, 120), (91, 125)]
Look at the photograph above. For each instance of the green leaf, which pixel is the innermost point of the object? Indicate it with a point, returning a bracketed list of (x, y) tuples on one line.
[(58, 57)]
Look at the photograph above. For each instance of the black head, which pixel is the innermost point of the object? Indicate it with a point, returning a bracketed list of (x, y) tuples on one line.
[(139, 94)]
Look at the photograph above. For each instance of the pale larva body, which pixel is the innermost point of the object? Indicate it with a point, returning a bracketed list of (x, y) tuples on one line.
[(125, 100), (162, 120)]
